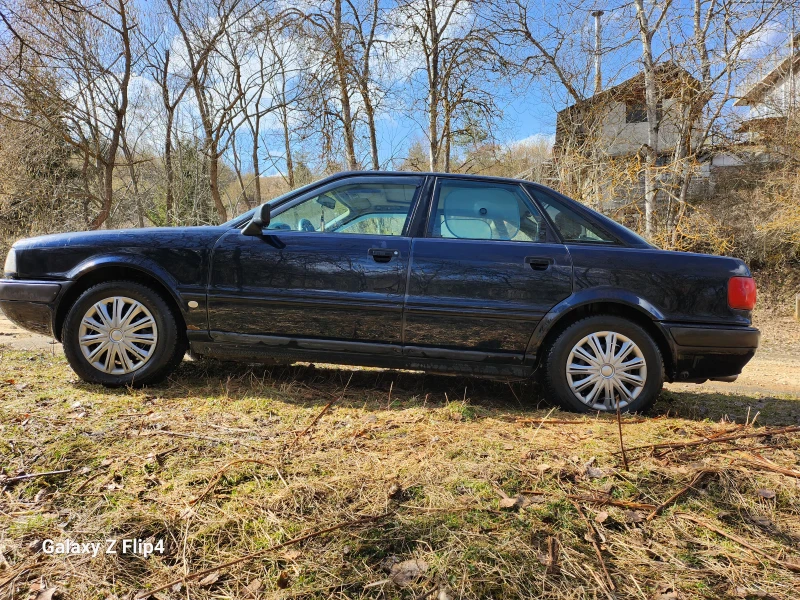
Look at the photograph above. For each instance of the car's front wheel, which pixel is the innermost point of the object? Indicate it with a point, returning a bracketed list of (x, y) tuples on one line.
[(122, 333), (603, 362)]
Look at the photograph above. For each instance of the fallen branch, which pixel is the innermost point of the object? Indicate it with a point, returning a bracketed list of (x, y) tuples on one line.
[(598, 501), (524, 421), (183, 580), (87, 481), (592, 537), (768, 465), (717, 440), (322, 412), (195, 436), (621, 443), (218, 475), (33, 476), (698, 477), (795, 567), (713, 436)]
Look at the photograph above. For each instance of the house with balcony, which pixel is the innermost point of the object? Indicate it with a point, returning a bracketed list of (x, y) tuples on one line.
[(600, 140), (770, 93), (613, 122)]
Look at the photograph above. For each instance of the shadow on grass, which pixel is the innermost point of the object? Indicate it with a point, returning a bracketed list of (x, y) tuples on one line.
[(381, 389)]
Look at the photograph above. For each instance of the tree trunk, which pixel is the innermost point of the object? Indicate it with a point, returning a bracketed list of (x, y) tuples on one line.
[(433, 129), (344, 93), (168, 165), (256, 167), (109, 160), (212, 152), (373, 136), (651, 100), (433, 91), (129, 158), (213, 180), (288, 146)]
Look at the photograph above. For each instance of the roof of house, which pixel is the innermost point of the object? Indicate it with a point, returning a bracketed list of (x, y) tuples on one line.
[(673, 81), (755, 91)]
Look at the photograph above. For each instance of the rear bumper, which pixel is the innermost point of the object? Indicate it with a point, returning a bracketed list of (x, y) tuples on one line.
[(30, 304), (703, 352)]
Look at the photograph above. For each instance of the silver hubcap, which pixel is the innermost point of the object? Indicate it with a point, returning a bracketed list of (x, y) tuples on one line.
[(606, 368), (118, 335)]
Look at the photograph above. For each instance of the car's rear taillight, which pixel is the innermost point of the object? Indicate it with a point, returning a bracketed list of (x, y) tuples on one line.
[(742, 293)]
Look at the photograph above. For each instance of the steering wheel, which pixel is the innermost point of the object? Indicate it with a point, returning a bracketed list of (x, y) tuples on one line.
[(305, 225)]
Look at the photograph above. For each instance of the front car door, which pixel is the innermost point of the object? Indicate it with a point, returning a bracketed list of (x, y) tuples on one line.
[(331, 267), (486, 272)]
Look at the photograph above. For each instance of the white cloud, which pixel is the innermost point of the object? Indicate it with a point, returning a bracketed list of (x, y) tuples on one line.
[(534, 139)]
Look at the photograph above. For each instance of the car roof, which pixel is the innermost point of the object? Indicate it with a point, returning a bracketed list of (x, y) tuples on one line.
[(422, 174)]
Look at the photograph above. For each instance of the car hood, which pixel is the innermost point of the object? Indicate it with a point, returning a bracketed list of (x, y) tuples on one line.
[(183, 252), (125, 237)]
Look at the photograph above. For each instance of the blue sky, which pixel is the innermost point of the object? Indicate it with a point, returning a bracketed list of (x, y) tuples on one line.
[(528, 106)]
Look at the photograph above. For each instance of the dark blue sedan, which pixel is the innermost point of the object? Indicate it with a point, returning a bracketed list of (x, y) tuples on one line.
[(430, 271)]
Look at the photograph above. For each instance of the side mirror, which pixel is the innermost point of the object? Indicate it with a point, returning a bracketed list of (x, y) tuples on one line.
[(259, 221)]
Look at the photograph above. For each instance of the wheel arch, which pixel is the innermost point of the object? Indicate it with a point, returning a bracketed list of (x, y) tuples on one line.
[(114, 269), (621, 305)]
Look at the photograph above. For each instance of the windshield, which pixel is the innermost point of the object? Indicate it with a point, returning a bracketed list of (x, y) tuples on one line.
[(246, 216)]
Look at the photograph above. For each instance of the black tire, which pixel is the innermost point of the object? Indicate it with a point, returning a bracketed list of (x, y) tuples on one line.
[(557, 386), (170, 343)]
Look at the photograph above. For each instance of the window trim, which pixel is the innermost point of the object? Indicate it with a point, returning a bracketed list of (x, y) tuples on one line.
[(584, 213), (290, 203), (434, 198)]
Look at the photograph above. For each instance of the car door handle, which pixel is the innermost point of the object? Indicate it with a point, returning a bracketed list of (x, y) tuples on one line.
[(383, 255), (539, 264)]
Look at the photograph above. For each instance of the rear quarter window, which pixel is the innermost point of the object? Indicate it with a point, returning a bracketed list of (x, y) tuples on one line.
[(571, 225)]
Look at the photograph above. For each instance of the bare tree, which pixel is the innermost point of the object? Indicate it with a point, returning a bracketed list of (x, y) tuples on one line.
[(90, 46), (201, 25), (454, 50), (366, 20), (650, 20)]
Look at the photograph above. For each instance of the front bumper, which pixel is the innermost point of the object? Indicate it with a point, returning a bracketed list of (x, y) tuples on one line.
[(703, 352), (30, 304)]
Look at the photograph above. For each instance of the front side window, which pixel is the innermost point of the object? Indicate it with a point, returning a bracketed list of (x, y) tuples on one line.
[(365, 208), (485, 211), (570, 224)]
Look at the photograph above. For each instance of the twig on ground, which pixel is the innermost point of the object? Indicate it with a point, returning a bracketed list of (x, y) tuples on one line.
[(194, 436), (717, 440), (88, 480), (596, 500), (526, 421), (768, 465), (218, 475), (698, 477), (621, 443), (794, 567), (33, 476), (241, 559), (322, 412), (592, 537), (552, 556)]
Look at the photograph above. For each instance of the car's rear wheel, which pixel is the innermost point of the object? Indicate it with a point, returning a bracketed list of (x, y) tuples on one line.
[(601, 363), (122, 333)]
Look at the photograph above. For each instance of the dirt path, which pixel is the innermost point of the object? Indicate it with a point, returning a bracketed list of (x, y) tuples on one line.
[(775, 370)]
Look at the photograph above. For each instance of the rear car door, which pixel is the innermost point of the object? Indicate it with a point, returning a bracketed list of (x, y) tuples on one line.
[(487, 270), (332, 266)]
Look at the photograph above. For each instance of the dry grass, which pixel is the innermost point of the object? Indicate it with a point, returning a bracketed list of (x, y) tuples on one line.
[(222, 464)]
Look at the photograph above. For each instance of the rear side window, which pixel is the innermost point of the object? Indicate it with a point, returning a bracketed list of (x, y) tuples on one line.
[(572, 226), (475, 210)]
